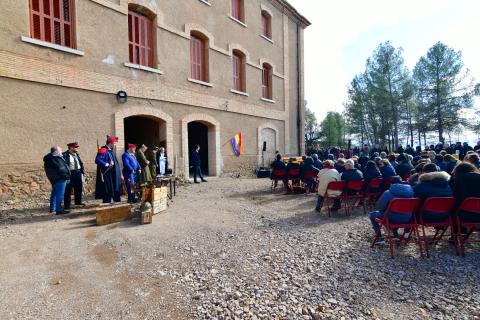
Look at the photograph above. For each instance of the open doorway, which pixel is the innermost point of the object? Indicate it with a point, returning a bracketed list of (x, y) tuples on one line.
[(145, 130), (198, 135)]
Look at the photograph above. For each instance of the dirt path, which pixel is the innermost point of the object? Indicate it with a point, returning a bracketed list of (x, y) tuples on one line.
[(229, 249)]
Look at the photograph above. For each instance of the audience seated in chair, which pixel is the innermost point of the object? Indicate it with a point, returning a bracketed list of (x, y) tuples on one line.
[(309, 172), (325, 176)]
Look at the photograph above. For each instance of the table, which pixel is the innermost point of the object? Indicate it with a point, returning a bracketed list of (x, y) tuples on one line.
[(170, 181)]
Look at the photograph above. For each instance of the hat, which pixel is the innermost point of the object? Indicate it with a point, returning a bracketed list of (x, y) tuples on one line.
[(143, 146), (131, 145), (73, 145), (112, 139)]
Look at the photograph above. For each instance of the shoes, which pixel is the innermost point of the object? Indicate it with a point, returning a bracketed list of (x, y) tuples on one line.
[(396, 236), (51, 210), (83, 204), (318, 209), (62, 212), (380, 241), (196, 182), (203, 180)]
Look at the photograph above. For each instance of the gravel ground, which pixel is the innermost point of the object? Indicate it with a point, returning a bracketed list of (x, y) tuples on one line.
[(229, 249)]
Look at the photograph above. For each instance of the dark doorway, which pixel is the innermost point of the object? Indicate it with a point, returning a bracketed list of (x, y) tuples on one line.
[(198, 134), (142, 130)]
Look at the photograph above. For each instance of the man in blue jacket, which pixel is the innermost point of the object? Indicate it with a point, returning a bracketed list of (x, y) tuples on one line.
[(196, 164), (397, 190), (130, 169)]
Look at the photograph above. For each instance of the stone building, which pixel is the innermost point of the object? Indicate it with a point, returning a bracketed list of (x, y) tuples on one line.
[(194, 71)]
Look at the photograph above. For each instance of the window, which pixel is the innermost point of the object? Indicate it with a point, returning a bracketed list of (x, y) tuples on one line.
[(238, 60), (267, 82), (266, 25), (51, 21), (140, 39), (198, 57), (237, 10)]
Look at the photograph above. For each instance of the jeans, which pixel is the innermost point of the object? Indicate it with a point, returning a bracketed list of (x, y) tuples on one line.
[(56, 196), (393, 217), (197, 172)]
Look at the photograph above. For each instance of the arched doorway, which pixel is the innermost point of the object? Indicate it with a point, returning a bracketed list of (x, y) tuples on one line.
[(204, 130), (198, 135), (267, 136), (145, 130)]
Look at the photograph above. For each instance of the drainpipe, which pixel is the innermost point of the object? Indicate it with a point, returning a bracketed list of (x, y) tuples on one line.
[(299, 95)]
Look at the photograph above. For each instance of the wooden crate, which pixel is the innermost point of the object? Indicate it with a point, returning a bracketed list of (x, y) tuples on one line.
[(146, 217), (159, 199), (111, 214)]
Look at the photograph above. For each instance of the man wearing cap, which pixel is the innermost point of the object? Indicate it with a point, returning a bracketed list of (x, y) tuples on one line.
[(145, 176), (109, 180), (77, 171), (130, 169)]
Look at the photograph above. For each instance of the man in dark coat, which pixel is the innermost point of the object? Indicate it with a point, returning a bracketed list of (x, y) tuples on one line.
[(109, 180), (196, 164), (58, 174), (77, 172), (404, 167), (316, 162)]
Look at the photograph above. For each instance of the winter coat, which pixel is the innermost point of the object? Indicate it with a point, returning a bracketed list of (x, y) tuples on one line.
[(371, 173), (56, 168), (145, 177), (109, 179), (450, 166), (397, 190), (318, 164), (352, 175), (278, 165), (404, 169), (130, 163), (66, 157), (465, 186), (387, 172), (308, 167), (325, 176), (433, 184), (195, 160)]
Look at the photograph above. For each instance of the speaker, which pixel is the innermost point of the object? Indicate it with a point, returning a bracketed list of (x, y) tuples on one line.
[(264, 146)]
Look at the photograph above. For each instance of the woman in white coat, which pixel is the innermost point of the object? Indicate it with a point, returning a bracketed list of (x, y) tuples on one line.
[(325, 176)]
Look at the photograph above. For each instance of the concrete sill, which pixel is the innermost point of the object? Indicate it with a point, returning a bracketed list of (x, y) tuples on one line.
[(205, 2), (239, 93), (267, 100), (140, 67), (203, 83), (52, 46), (238, 21), (267, 38)]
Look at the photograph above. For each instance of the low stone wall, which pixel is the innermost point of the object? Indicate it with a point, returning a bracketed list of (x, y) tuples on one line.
[(21, 182)]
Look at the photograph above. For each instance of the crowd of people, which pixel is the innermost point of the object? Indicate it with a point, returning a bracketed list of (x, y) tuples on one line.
[(441, 170)]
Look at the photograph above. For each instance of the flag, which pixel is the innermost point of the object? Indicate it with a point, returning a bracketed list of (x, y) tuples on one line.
[(237, 143)]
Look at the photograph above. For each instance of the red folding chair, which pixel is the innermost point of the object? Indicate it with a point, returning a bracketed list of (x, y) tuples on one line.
[(400, 206), (372, 196), (356, 188), (437, 206), (333, 186), (278, 175), (310, 175), (293, 178), (468, 206)]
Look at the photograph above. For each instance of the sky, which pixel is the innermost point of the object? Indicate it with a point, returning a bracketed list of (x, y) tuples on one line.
[(344, 34)]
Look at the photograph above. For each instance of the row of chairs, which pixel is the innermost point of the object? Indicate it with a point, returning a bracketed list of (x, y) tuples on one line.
[(295, 177), (440, 207)]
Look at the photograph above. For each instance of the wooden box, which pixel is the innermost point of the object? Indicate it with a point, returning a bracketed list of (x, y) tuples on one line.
[(111, 214), (159, 201), (146, 217)]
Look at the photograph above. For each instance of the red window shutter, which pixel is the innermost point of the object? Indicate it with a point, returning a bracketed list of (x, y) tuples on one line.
[(50, 21), (237, 9), (266, 25), (266, 83), (140, 40), (197, 58), (237, 73)]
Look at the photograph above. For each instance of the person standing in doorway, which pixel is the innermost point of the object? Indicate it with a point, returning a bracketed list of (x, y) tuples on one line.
[(58, 174), (109, 180), (130, 170), (162, 161), (196, 163), (77, 172)]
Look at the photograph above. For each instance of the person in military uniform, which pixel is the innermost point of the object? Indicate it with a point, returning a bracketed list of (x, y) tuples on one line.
[(109, 180), (130, 170), (77, 172), (151, 155), (145, 176)]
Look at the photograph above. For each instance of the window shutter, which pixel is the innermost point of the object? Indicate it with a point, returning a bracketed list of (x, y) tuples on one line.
[(140, 48), (237, 9), (197, 57), (51, 21), (267, 83), (266, 25), (237, 81)]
